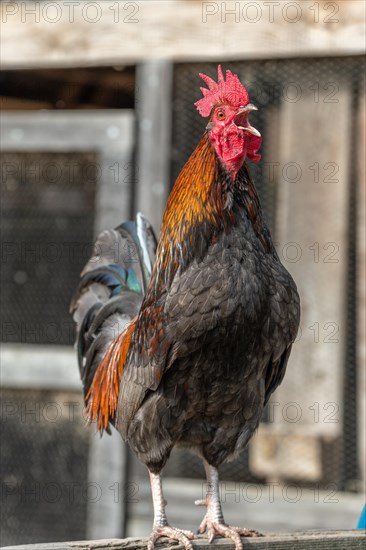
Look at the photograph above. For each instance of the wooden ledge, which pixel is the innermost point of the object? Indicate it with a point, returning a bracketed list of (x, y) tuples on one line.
[(303, 540)]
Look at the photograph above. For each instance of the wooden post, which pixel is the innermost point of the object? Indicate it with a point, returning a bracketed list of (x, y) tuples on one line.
[(153, 97), (307, 540), (361, 278), (106, 513), (312, 221)]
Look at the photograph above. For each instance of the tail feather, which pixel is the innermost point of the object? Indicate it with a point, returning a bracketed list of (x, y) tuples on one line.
[(108, 297), (102, 395), (146, 237)]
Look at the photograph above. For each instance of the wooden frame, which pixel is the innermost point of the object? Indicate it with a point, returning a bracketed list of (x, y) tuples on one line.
[(153, 99), (112, 32), (308, 540), (111, 135)]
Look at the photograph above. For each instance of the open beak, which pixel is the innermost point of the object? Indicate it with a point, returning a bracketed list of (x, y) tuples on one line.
[(242, 117)]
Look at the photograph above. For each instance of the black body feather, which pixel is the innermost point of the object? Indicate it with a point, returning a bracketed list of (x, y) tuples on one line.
[(212, 338)]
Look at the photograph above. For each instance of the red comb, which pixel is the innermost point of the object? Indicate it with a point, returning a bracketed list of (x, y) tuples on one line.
[(230, 91)]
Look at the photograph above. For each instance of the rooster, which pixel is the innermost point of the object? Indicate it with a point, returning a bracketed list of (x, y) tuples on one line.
[(185, 347)]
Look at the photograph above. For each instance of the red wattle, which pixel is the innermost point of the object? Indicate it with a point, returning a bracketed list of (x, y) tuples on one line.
[(253, 144)]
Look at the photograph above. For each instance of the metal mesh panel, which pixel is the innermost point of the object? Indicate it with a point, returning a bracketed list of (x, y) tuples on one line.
[(270, 83), (47, 233), (43, 469)]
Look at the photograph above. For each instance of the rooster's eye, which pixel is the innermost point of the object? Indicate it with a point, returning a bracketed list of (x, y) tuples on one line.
[(221, 115)]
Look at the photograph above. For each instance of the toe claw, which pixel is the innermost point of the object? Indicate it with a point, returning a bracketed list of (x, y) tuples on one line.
[(202, 502), (211, 535), (181, 535), (214, 528), (203, 525)]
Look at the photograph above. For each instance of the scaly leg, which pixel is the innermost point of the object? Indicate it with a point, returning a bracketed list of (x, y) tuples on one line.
[(161, 528), (213, 522)]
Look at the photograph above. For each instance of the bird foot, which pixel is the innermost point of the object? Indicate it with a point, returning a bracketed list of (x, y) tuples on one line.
[(215, 528), (179, 535)]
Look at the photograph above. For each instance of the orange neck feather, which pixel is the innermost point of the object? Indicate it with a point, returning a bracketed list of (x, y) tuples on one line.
[(189, 200), (197, 198)]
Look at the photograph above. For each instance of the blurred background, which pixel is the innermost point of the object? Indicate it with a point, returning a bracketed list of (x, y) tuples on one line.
[(97, 121)]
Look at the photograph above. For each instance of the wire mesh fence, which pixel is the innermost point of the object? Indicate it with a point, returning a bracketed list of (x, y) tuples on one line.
[(44, 472), (47, 234)]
